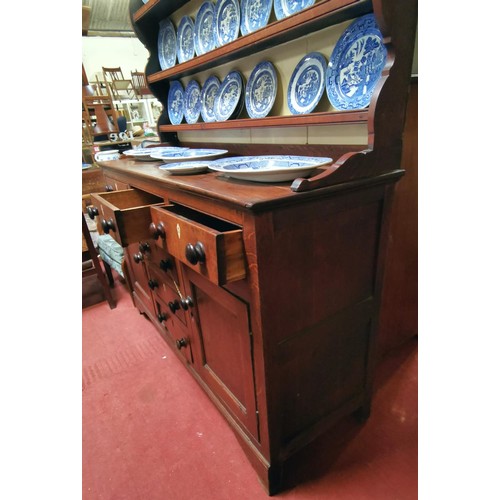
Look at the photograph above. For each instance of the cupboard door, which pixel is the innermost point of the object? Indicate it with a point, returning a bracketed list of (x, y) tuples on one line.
[(139, 276), (224, 356)]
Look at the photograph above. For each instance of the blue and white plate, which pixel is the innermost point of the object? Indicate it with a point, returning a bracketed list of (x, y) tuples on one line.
[(254, 15), (208, 93), (356, 65), (176, 102), (227, 21), (189, 155), (185, 39), (261, 88), (185, 167), (274, 168), (167, 44), (192, 101), (204, 29), (229, 97), (307, 84), (144, 154), (285, 8)]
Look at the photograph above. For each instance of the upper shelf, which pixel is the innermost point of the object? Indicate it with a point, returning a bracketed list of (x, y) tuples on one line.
[(314, 18)]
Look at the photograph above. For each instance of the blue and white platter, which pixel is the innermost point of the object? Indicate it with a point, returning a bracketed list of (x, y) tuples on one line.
[(189, 155), (229, 97), (185, 167), (273, 168), (307, 83), (204, 29), (261, 89), (144, 154), (208, 93), (285, 8), (176, 102), (356, 65), (227, 21), (185, 39), (254, 15), (167, 44), (192, 101)]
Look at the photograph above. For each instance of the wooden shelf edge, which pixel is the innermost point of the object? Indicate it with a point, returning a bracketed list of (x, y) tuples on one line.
[(306, 120)]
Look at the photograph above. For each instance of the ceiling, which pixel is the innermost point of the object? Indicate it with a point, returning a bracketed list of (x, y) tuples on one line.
[(107, 18)]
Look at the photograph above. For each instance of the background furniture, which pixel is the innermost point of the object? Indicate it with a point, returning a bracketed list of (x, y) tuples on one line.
[(119, 87), (140, 85)]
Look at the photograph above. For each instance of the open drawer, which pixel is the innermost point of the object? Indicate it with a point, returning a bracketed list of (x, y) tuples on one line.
[(124, 214), (211, 246)]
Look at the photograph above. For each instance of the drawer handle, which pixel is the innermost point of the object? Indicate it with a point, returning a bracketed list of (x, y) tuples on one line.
[(92, 211), (144, 247), (165, 265), (174, 306), (108, 187), (157, 231), (187, 303), (180, 343), (108, 225), (195, 253), (162, 317), (138, 257), (153, 284)]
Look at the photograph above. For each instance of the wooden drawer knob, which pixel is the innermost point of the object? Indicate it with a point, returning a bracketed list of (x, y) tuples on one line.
[(108, 187), (92, 211), (138, 257), (153, 284), (162, 317), (144, 247), (157, 230), (195, 253), (174, 306), (108, 225), (180, 343)]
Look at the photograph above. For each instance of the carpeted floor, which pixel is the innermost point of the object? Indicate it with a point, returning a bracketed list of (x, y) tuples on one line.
[(150, 433)]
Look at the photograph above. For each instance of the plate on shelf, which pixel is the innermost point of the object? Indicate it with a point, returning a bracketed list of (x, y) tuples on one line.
[(307, 83), (204, 29), (260, 91), (273, 168), (144, 154), (192, 102), (186, 167), (86, 166), (176, 102), (189, 154), (254, 15), (227, 21), (356, 65), (185, 39), (229, 97), (285, 8), (167, 44), (208, 93)]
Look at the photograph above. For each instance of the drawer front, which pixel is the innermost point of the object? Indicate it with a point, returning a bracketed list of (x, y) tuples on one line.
[(211, 246), (125, 215)]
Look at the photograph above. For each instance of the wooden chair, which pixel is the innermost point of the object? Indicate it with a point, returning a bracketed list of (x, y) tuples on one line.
[(99, 116), (140, 85), (120, 88), (89, 250)]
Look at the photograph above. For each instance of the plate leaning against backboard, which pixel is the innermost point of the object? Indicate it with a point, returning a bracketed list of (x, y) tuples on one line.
[(285, 8), (176, 102), (227, 21), (273, 168), (261, 89), (185, 39), (167, 44), (254, 14), (204, 29)]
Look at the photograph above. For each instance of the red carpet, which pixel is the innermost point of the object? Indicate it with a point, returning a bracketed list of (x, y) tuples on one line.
[(150, 433)]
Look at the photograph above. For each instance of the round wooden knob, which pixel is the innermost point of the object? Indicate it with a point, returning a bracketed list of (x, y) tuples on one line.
[(108, 225), (165, 265), (153, 284), (157, 230), (162, 317), (187, 303), (144, 247), (108, 187), (174, 306), (92, 211), (180, 343), (195, 253), (138, 257)]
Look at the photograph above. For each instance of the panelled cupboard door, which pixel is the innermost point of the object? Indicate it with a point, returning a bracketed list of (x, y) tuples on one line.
[(139, 276), (224, 358)]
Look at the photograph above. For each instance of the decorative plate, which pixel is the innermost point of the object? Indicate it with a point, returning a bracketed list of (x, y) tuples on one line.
[(254, 14), (274, 168), (356, 65), (185, 40), (228, 97), (185, 167), (86, 166), (176, 102), (204, 29), (192, 101), (189, 154), (144, 154), (285, 8), (208, 93), (167, 41), (307, 84), (261, 90), (227, 21)]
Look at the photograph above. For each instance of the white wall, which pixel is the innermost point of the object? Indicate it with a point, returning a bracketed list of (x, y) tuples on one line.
[(112, 52)]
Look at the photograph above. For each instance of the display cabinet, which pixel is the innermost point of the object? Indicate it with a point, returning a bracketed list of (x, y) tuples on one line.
[(269, 293)]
